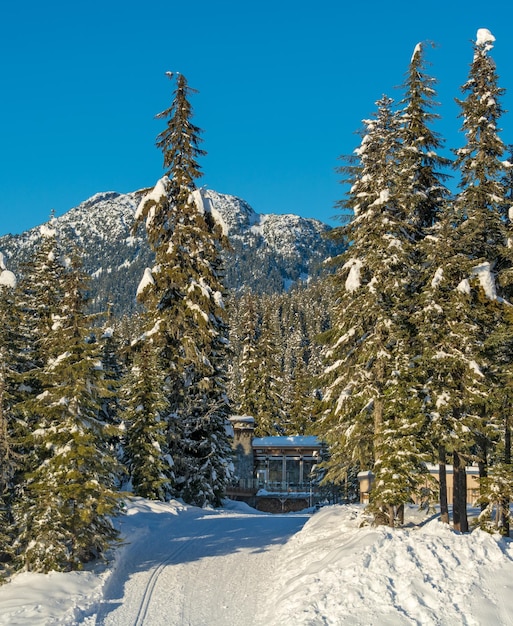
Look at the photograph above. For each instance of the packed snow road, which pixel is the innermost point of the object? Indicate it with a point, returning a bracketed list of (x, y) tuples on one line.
[(206, 569)]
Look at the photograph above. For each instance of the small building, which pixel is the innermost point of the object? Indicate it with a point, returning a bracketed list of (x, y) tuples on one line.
[(365, 480), (274, 474)]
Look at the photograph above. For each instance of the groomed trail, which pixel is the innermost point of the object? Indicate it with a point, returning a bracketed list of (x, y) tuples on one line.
[(204, 569)]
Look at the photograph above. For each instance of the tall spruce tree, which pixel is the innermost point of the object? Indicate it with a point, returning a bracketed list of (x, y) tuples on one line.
[(70, 496), (368, 395), (9, 461), (465, 253), (424, 196), (145, 452), (482, 206), (184, 290)]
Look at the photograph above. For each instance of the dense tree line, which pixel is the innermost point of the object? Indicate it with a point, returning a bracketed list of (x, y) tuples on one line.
[(276, 356), (61, 489), (419, 355)]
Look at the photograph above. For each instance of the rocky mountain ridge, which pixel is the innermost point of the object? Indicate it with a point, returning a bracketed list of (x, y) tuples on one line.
[(269, 252)]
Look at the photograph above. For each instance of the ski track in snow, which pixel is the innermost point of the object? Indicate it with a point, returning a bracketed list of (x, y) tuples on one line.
[(206, 570)]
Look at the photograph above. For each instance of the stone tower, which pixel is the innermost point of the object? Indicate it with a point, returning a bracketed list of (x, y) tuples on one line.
[(243, 433)]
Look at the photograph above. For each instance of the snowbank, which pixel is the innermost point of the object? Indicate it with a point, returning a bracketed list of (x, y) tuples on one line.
[(334, 572)]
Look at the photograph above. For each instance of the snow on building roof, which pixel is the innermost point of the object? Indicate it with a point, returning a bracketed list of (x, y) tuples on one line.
[(299, 441), (242, 418)]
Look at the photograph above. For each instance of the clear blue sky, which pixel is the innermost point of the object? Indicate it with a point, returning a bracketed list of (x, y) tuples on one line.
[(283, 86)]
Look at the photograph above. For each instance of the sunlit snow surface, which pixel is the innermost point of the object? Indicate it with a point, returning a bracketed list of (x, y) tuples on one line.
[(484, 37), (238, 567), (7, 278)]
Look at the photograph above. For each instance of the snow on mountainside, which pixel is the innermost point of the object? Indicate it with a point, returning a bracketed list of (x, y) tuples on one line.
[(287, 235), (269, 252)]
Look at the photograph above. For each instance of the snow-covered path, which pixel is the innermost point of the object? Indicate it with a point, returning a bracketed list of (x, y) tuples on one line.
[(205, 569), (183, 566)]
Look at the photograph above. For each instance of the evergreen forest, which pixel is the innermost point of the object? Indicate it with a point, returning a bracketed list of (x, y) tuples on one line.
[(399, 355)]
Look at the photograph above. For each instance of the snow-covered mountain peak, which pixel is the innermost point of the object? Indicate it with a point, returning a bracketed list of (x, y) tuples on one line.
[(235, 212), (284, 233), (269, 252)]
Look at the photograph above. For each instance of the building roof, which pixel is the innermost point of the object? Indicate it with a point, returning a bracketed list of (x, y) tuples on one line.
[(298, 441), (242, 418)]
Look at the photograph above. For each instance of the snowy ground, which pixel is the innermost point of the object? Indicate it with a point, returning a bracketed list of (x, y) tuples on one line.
[(183, 566)]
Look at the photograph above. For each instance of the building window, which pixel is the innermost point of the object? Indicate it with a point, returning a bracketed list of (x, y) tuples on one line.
[(308, 465), (293, 471), (275, 470)]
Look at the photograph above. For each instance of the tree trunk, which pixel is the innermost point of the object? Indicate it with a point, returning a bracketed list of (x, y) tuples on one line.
[(442, 474), (507, 459), (391, 515), (456, 491), (384, 516), (459, 506), (483, 467)]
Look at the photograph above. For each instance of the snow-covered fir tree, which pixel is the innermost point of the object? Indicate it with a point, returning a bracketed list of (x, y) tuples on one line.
[(464, 252), (38, 295), (9, 462), (148, 464), (423, 193), (374, 416), (368, 342), (482, 207), (69, 498), (184, 291)]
